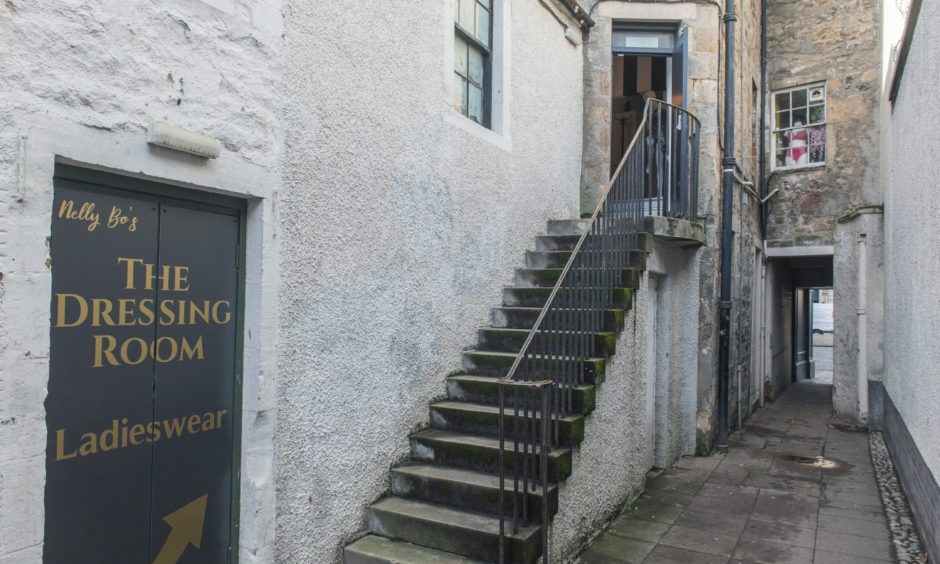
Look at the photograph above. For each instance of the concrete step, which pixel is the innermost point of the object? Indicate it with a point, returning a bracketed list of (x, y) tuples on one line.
[(485, 389), (469, 490), (524, 318), (558, 259), (535, 297), (566, 226), (548, 277), (483, 419), (495, 363), (451, 530), (373, 549), (474, 452), (566, 242), (511, 340)]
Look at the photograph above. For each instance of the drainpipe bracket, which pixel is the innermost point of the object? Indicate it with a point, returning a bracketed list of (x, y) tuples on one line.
[(724, 304)]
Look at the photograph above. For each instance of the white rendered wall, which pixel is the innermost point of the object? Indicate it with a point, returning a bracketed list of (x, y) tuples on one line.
[(401, 222), (912, 253), (82, 81)]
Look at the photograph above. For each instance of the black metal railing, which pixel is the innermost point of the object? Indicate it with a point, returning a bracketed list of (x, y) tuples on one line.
[(658, 175)]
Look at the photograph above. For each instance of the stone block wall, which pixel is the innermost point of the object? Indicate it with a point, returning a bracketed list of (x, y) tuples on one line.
[(836, 42)]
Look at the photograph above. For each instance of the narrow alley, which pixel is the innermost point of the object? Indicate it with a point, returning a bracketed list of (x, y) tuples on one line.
[(794, 488)]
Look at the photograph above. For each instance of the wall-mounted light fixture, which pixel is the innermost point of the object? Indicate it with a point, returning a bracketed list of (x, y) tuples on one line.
[(171, 137)]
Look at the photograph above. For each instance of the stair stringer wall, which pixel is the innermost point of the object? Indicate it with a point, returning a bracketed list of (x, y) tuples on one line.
[(607, 468)]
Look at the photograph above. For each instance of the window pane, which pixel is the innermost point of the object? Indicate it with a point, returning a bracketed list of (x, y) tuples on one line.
[(476, 66), (465, 14), (460, 56), (460, 94), (783, 120), (783, 101), (817, 114), (799, 98), (799, 116), (817, 94), (486, 4), (817, 144), (781, 157), (476, 104), (483, 26)]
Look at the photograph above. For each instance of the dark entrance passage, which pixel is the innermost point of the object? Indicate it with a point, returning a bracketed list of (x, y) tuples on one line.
[(142, 408)]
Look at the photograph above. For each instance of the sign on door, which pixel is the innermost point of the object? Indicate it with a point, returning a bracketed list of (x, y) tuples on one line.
[(140, 409)]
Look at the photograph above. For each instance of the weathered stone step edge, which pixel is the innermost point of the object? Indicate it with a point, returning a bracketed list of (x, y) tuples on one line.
[(451, 530), (536, 296), (485, 389), (551, 242), (466, 489), (547, 277), (558, 259), (495, 363), (373, 549), (501, 339), (502, 317), (478, 452), (483, 419)]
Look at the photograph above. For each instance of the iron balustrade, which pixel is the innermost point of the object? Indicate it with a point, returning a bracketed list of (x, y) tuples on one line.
[(658, 175)]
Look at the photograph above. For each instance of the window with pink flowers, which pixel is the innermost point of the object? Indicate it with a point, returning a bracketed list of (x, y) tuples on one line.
[(799, 127)]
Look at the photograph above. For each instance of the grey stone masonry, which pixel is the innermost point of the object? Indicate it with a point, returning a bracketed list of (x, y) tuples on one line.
[(794, 488)]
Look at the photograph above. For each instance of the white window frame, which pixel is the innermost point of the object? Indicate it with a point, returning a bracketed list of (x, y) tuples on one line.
[(774, 130), (498, 134)]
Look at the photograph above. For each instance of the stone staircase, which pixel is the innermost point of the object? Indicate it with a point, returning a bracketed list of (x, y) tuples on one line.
[(442, 506)]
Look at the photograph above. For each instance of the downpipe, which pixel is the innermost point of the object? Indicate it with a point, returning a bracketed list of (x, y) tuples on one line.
[(727, 211), (862, 312)]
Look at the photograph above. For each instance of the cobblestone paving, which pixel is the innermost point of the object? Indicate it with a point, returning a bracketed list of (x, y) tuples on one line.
[(794, 488)]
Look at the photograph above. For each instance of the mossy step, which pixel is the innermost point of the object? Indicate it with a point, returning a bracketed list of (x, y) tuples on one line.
[(643, 241), (558, 259), (524, 318), (548, 277), (495, 363), (373, 549), (511, 340), (622, 298), (469, 490), (566, 226), (485, 389), (483, 419), (476, 452), (451, 530)]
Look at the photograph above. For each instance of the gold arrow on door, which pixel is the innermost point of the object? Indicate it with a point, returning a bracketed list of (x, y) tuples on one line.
[(185, 529)]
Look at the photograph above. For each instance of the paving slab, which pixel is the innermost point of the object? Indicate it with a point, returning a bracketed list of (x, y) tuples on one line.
[(767, 552), (794, 488)]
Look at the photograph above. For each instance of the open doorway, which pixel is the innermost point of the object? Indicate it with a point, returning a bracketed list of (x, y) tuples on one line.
[(812, 334), (635, 79), (822, 333), (649, 61)]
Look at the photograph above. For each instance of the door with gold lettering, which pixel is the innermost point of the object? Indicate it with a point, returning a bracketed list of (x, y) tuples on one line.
[(194, 388), (141, 407)]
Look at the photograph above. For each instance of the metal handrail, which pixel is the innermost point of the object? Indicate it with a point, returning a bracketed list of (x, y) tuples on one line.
[(658, 173)]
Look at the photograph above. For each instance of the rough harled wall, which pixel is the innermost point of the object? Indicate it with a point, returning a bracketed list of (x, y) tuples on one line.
[(846, 307), (83, 78), (401, 222), (912, 256), (836, 42), (609, 467)]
